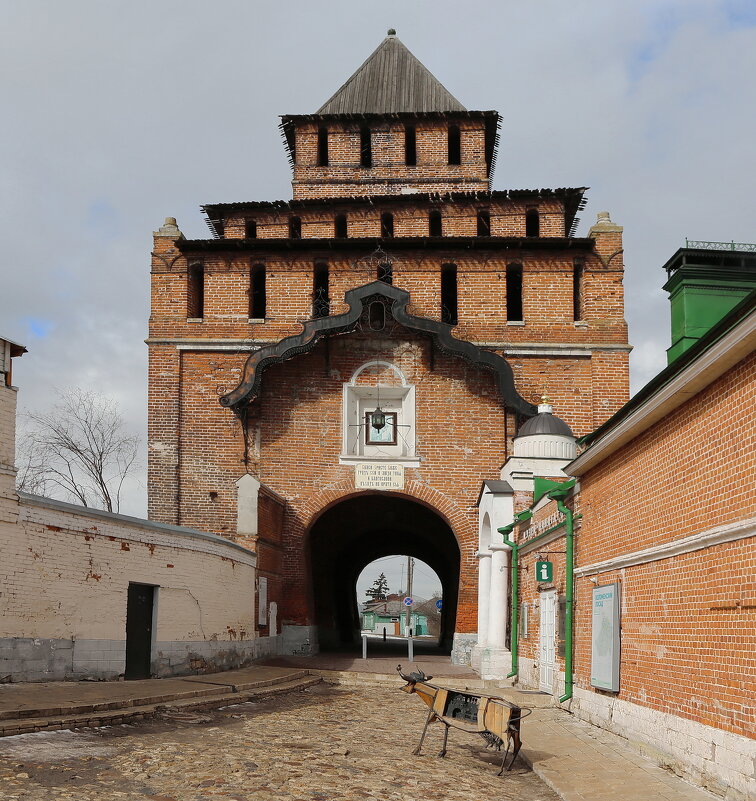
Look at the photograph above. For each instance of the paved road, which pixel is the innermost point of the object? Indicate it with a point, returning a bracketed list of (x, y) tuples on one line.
[(323, 744)]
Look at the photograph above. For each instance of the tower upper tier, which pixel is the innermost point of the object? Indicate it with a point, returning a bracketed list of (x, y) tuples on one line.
[(392, 128)]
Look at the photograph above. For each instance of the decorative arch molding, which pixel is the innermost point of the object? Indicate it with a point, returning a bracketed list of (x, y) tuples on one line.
[(395, 302), (377, 363), (463, 528)]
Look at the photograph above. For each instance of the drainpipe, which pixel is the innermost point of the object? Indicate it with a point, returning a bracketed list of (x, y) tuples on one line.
[(559, 496), (515, 617)]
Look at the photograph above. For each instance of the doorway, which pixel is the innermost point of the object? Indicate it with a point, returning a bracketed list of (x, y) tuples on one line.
[(547, 630), (140, 605)]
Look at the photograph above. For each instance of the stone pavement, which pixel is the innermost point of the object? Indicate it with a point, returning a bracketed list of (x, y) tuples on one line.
[(578, 761), (321, 744)]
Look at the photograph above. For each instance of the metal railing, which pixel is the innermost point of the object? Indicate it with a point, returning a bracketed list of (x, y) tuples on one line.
[(703, 245)]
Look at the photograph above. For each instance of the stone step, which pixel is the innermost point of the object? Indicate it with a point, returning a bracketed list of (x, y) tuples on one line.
[(104, 706), (131, 712), (350, 678)]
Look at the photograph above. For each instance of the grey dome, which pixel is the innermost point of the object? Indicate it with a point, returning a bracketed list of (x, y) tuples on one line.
[(545, 423)]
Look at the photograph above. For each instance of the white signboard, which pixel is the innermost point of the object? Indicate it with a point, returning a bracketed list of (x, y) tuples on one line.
[(378, 476), (605, 638), (262, 601)]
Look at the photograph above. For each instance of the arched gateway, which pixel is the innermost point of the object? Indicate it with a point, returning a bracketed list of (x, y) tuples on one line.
[(375, 342), (364, 527)]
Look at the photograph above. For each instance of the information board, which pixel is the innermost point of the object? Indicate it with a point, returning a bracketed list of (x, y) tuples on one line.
[(379, 476), (605, 638), (262, 601)]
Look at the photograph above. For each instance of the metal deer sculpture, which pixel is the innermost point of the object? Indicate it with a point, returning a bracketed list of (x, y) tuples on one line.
[(497, 721)]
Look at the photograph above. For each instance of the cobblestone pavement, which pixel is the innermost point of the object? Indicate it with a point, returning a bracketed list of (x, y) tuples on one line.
[(323, 744)]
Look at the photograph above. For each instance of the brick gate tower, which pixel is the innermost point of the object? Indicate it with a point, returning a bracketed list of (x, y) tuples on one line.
[(334, 378)]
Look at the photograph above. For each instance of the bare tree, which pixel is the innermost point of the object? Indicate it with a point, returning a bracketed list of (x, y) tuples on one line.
[(79, 448)]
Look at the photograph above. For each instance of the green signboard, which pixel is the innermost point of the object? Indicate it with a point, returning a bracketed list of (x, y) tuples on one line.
[(544, 571)]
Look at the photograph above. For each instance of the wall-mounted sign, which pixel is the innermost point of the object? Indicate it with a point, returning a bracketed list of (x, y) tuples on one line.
[(379, 476), (262, 601), (544, 571), (605, 638)]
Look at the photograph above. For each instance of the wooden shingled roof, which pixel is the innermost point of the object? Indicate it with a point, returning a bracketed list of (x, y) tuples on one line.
[(391, 81)]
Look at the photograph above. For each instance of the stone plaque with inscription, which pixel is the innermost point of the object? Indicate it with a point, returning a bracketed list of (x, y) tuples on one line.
[(378, 476)]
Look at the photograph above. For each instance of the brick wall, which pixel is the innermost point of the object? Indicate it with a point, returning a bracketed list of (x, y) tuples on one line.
[(389, 174)]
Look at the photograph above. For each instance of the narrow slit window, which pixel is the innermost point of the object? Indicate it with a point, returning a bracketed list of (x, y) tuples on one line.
[(385, 271), (321, 301), (340, 226), (295, 228), (449, 307), (250, 229), (410, 146), (484, 222), (257, 293), (322, 147), (195, 292), (454, 145), (532, 223), (366, 147), (577, 290), (387, 225), (514, 293), (434, 224)]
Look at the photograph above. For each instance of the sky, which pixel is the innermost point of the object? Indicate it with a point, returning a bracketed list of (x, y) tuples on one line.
[(118, 114), (425, 582)]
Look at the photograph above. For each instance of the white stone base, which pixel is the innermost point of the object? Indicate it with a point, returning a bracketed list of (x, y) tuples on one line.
[(495, 663), (720, 761), (299, 640), (267, 646), (462, 647), (475, 654)]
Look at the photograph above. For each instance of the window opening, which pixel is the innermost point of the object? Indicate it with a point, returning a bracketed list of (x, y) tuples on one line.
[(195, 292), (455, 145), (387, 225), (340, 226), (514, 292), (321, 302), (449, 294), (577, 290), (257, 292), (250, 229), (377, 316), (295, 228), (532, 223), (484, 222), (385, 271), (366, 148), (410, 145), (322, 147), (434, 224)]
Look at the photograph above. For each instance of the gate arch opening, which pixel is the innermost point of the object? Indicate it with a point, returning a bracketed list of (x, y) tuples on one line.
[(360, 529)]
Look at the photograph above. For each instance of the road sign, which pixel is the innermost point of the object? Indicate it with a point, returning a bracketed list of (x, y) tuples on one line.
[(439, 604), (408, 601), (544, 571)]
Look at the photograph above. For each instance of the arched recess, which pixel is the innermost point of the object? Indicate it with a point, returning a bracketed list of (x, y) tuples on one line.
[(364, 527)]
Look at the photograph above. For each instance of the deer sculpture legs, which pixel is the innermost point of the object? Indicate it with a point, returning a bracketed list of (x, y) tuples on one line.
[(432, 717)]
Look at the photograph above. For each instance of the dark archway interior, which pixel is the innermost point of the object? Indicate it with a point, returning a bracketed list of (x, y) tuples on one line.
[(361, 529)]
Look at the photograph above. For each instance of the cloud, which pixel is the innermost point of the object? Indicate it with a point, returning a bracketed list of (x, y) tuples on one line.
[(123, 114)]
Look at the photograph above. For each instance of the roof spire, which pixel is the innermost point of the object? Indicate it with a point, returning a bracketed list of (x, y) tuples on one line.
[(391, 81)]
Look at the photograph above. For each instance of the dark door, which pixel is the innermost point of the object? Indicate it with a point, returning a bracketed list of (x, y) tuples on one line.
[(139, 631)]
